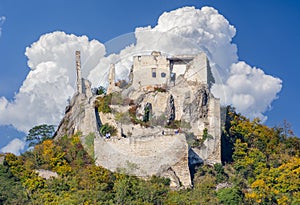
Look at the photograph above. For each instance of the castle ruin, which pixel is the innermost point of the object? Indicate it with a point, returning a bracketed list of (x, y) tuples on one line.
[(165, 118)]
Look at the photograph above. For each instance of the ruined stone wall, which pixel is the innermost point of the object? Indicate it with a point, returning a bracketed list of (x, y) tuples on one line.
[(142, 70), (210, 152), (197, 72), (145, 156), (154, 150)]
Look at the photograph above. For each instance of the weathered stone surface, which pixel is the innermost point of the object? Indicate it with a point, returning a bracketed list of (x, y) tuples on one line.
[(79, 117), (46, 174), (172, 91), (145, 156)]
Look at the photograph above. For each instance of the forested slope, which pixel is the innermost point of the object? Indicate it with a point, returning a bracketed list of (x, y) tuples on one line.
[(261, 165)]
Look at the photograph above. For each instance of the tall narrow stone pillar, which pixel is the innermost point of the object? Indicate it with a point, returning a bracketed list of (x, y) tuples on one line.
[(111, 79), (78, 69)]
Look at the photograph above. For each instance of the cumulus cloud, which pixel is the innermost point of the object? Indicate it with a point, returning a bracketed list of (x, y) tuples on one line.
[(185, 31), (51, 80), (188, 30), (248, 89), (2, 20), (15, 146)]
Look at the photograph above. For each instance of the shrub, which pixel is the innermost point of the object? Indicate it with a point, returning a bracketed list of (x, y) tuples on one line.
[(160, 89), (230, 196), (174, 124), (106, 128), (132, 114), (134, 119), (89, 142), (99, 91), (102, 103)]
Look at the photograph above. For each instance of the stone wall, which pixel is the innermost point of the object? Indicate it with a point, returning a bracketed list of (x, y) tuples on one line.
[(155, 150), (144, 66), (197, 72), (145, 156)]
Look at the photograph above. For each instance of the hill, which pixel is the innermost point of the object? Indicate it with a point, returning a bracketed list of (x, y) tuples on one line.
[(261, 165)]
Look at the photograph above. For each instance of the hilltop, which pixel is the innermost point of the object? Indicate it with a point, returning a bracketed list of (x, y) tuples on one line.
[(157, 139), (162, 122), (260, 166)]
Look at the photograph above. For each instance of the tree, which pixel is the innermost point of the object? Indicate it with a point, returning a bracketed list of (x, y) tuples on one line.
[(11, 190), (230, 196), (40, 133), (99, 91)]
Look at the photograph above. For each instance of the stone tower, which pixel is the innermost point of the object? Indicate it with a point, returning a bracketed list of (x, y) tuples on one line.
[(78, 71), (111, 79)]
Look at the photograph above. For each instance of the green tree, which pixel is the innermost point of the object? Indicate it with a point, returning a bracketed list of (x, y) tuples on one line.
[(230, 196), (11, 190), (39, 133)]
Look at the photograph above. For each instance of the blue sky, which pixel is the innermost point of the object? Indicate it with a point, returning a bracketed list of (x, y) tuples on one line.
[(267, 37)]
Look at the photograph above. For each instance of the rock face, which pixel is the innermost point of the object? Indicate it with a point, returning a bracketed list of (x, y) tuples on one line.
[(164, 120), (46, 174)]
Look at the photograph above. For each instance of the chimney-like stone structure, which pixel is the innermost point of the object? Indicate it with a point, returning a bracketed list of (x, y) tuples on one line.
[(78, 69), (111, 79)]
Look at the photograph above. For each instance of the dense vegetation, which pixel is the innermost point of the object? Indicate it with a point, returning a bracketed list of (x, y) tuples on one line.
[(261, 166)]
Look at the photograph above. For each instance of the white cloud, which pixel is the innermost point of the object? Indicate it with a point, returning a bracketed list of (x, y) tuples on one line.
[(248, 89), (185, 31), (2, 20), (189, 30), (15, 146), (44, 93), (51, 80)]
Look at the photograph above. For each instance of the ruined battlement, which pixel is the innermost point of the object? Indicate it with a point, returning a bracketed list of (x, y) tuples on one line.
[(159, 70), (165, 119)]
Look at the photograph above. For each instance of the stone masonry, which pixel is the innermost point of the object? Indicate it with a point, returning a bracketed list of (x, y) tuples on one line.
[(169, 118)]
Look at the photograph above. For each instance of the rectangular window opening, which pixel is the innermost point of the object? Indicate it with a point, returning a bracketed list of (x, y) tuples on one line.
[(153, 72)]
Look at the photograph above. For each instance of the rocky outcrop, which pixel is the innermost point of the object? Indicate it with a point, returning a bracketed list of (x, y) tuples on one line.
[(79, 117)]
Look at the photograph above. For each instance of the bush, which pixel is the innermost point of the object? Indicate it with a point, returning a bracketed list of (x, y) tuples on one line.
[(106, 128), (176, 124), (230, 196), (160, 89), (102, 103), (220, 174), (89, 142), (99, 91)]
